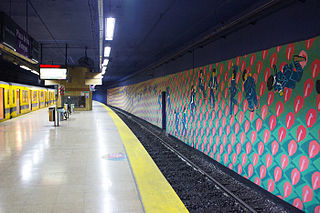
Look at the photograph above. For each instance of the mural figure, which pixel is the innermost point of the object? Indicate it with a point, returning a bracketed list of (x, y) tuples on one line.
[(192, 99), (131, 100), (176, 121), (155, 90), (233, 89), (250, 89), (168, 99), (298, 182), (184, 122), (201, 84), (160, 99), (288, 77), (213, 86), (135, 95), (139, 97)]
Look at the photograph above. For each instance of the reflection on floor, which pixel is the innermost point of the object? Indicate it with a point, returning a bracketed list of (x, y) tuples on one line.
[(72, 168)]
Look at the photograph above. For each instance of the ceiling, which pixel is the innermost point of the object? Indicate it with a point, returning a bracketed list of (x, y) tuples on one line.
[(55, 23), (145, 31)]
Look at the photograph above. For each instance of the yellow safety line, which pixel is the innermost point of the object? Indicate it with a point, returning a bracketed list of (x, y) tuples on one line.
[(156, 193)]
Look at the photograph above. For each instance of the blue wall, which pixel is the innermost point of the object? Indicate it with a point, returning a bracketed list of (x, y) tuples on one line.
[(100, 95)]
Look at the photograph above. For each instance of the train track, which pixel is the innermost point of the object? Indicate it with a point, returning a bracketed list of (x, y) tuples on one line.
[(220, 186)]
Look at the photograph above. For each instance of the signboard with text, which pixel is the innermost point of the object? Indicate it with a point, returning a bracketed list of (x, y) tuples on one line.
[(52, 72), (14, 37)]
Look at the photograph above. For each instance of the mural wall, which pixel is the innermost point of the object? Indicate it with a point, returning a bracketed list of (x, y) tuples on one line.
[(257, 114)]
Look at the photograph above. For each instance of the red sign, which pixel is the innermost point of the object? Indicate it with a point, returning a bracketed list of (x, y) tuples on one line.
[(49, 66), (61, 90)]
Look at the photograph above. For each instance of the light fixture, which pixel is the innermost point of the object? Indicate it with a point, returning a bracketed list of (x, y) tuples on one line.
[(109, 28), (8, 45), (35, 72), (105, 62), (31, 70), (107, 50), (103, 70), (24, 67), (35, 61)]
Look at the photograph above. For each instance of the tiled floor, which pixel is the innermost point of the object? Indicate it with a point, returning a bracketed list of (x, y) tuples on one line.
[(64, 169)]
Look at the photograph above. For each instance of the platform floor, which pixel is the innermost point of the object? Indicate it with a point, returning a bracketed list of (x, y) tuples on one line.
[(72, 168), (64, 169)]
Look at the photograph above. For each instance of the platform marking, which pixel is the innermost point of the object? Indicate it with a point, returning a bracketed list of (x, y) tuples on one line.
[(156, 193), (115, 156)]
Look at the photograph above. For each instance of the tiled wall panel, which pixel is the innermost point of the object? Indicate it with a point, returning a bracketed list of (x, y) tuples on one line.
[(258, 115)]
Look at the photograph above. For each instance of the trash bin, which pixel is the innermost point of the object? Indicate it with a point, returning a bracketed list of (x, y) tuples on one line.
[(52, 112), (60, 113), (66, 110)]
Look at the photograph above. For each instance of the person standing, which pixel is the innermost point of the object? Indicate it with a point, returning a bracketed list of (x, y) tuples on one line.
[(233, 90), (250, 89), (213, 86)]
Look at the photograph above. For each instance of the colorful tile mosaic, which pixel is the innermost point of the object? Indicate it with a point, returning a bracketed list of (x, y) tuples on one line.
[(257, 114)]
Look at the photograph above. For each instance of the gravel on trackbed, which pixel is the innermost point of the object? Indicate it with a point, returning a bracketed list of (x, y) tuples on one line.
[(196, 191)]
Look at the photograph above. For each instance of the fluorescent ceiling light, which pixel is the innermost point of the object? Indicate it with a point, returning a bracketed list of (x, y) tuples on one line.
[(8, 45), (109, 28), (35, 61), (107, 50), (35, 72), (24, 67), (103, 71), (105, 62)]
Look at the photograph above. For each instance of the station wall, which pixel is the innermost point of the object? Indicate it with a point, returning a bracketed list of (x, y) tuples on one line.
[(268, 135)]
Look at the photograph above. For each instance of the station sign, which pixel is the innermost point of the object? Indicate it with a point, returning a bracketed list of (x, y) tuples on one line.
[(53, 72), (14, 37)]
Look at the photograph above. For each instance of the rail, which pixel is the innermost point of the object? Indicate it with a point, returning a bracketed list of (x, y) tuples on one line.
[(188, 161)]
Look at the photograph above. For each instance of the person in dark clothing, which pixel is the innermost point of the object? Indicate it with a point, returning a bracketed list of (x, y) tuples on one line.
[(213, 86), (288, 77), (250, 89), (176, 121), (201, 84), (184, 122), (192, 99), (168, 99), (160, 99), (155, 89), (233, 90)]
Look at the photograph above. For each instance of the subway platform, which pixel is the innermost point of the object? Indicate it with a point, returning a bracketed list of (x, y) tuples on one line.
[(91, 163)]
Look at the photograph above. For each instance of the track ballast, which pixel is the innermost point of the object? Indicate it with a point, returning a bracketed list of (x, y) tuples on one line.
[(201, 186)]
